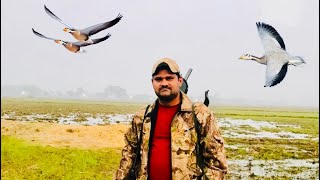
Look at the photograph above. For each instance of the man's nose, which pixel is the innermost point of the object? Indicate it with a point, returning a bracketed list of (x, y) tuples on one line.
[(164, 82)]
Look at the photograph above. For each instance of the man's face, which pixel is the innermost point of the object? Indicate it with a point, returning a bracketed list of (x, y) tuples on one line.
[(166, 85)]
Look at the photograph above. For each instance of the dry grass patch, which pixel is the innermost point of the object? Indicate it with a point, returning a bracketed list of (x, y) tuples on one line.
[(52, 134)]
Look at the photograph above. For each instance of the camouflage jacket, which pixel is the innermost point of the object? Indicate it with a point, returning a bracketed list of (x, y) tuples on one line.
[(183, 143)]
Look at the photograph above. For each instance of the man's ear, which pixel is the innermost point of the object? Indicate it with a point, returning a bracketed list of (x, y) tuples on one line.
[(180, 80)]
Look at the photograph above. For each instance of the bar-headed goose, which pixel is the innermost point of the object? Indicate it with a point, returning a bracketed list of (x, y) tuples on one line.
[(84, 34), (74, 47), (276, 58)]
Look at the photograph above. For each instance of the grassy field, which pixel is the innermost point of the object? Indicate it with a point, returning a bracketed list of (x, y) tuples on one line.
[(23, 159), (57, 107)]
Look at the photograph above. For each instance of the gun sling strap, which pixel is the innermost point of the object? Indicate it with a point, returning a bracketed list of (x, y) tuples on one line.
[(132, 173), (200, 161)]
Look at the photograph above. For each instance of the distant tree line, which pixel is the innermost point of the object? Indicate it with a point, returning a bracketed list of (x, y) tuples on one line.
[(109, 93)]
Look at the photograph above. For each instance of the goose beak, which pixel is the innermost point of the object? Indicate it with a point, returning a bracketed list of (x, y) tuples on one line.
[(244, 57), (58, 41), (65, 29)]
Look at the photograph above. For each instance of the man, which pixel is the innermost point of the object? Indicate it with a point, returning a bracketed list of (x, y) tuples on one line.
[(169, 135)]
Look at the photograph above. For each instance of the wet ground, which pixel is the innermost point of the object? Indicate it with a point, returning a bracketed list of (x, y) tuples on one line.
[(233, 128)]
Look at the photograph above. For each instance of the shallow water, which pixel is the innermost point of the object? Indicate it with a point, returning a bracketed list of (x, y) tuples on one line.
[(304, 168), (233, 126)]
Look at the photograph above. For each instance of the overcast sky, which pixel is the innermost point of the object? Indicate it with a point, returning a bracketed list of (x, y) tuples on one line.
[(208, 36)]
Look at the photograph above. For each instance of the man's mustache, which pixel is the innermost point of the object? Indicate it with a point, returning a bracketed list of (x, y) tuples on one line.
[(164, 87)]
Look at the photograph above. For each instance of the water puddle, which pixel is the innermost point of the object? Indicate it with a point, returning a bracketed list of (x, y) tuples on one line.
[(299, 168), (229, 122), (73, 118), (235, 129)]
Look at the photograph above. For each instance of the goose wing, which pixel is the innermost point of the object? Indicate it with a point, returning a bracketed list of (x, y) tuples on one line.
[(42, 36), (99, 27), (95, 41), (270, 38), (276, 71), (50, 13)]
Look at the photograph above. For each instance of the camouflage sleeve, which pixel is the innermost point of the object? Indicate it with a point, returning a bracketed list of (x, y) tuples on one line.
[(127, 152), (131, 140), (215, 162)]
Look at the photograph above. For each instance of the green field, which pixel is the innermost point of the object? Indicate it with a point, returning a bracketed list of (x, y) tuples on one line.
[(22, 160), (57, 107)]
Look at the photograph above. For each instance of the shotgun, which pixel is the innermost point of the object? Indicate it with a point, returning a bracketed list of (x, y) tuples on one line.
[(184, 87)]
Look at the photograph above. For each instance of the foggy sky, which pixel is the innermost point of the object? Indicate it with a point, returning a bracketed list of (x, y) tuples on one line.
[(208, 36)]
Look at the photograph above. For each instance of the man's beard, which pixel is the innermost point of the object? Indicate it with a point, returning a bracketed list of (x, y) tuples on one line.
[(166, 98)]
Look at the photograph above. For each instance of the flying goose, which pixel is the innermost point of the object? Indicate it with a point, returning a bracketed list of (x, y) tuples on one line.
[(276, 58), (74, 47), (84, 34)]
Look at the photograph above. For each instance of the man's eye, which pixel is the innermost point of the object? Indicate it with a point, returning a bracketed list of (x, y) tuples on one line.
[(169, 78), (157, 79)]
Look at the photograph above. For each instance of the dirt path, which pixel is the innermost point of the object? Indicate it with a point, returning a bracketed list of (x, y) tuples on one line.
[(57, 135)]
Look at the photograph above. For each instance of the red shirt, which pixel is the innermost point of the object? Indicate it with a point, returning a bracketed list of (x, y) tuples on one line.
[(160, 156)]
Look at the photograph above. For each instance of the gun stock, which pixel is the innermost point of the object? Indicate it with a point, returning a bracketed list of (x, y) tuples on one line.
[(184, 87)]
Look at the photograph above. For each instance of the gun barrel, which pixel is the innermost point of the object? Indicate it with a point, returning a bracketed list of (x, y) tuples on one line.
[(188, 74)]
